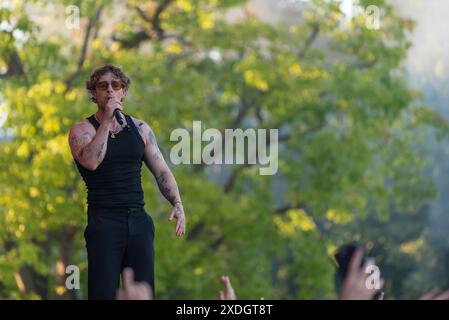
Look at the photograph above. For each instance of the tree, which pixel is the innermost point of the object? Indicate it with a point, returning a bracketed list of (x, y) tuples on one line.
[(347, 121)]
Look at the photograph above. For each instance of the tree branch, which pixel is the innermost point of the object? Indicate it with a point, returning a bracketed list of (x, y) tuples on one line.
[(143, 35), (142, 14), (284, 208), (312, 37), (65, 253), (14, 65), (156, 19), (91, 22), (196, 231), (230, 182), (242, 112), (365, 65)]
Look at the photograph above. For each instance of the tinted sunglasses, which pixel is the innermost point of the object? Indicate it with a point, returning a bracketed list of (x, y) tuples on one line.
[(103, 85)]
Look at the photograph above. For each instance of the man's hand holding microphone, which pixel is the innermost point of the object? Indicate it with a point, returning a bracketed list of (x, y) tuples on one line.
[(114, 108)]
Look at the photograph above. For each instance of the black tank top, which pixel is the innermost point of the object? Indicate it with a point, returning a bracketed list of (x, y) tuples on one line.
[(116, 183)]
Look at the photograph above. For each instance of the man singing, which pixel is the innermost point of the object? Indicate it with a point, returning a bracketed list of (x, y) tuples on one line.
[(109, 157)]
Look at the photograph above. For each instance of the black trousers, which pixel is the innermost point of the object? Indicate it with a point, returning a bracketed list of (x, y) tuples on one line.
[(115, 239)]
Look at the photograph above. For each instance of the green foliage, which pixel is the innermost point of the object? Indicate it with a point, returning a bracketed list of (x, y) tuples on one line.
[(345, 112)]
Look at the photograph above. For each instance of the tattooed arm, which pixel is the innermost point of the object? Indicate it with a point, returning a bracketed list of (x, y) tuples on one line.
[(165, 180), (88, 146)]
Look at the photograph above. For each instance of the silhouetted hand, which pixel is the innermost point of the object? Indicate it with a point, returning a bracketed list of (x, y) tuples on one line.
[(432, 296), (133, 290), (354, 285), (228, 293)]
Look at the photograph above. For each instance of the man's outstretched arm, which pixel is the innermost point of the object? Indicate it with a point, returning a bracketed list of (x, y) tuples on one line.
[(165, 180)]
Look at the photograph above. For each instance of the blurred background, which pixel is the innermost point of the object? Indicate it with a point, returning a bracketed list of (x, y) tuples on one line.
[(357, 89)]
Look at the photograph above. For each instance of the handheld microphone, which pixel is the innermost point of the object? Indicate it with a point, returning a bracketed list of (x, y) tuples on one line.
[(121, 119)]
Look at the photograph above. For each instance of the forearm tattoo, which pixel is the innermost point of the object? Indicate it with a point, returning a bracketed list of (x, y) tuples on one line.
[(100, 151), (156, 155), (88, 148), (93, 149), (165, 188), (165, 181)]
